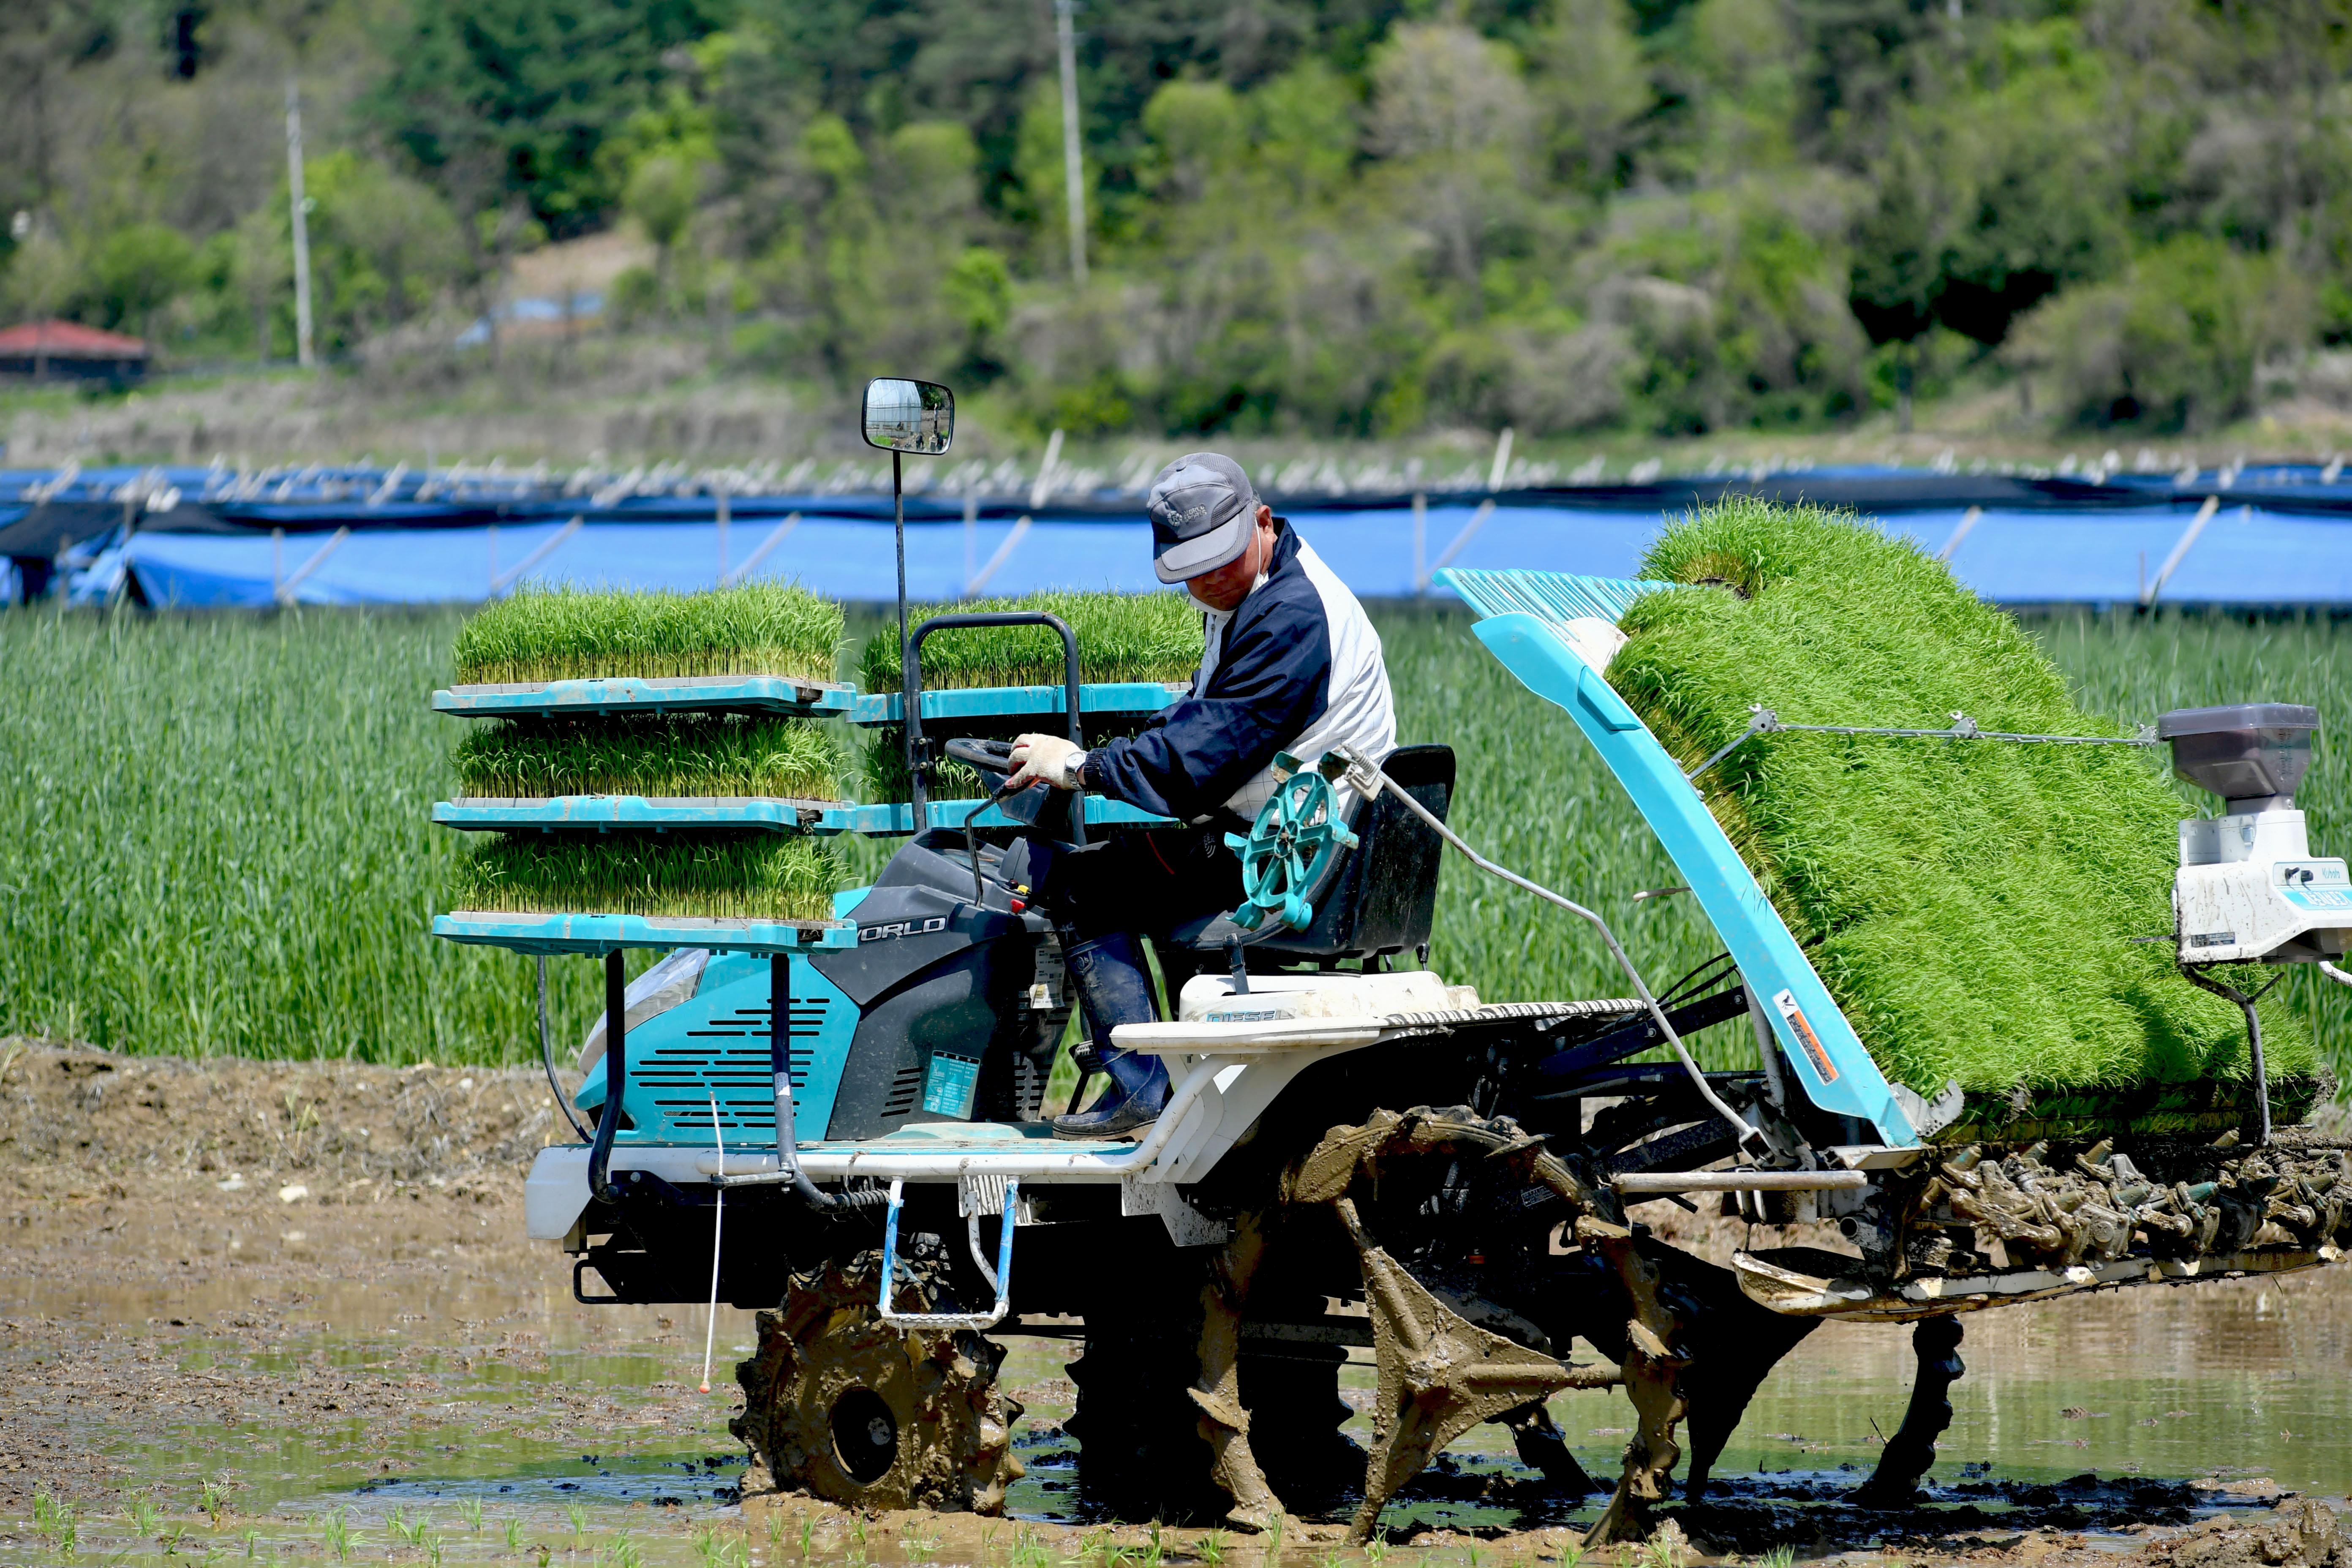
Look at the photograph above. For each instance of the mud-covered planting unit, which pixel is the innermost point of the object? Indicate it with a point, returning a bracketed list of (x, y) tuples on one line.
[(2000, 1001)]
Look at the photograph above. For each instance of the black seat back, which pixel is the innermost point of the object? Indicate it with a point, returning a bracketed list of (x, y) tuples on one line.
[(1381, 898)]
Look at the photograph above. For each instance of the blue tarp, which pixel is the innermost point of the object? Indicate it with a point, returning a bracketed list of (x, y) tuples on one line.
[(2244, 555)]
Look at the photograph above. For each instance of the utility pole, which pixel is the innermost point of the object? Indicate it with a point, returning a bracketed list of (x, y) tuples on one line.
[(1074, 169), (302, 225)]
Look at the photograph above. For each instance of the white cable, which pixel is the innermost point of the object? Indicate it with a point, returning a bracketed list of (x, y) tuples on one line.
[(2335, 974), (717, 1217), (1370, 781)]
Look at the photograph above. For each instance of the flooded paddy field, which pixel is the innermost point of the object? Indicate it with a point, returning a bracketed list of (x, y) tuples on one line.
[(284, 1313)]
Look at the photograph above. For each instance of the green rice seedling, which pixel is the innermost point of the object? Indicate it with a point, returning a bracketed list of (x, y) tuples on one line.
[(663, 754), (337, 1529), (470, 1511), (758, 877), (252, 1544), (142, 1515), (578, 1517), (808, 1525), (567, 633), (514, 1532), (1972, 905), (1122, 637), (58, 1520), (221, 844), (407, 1529), (169, 1536), (214, 1502), (1211, 1548)]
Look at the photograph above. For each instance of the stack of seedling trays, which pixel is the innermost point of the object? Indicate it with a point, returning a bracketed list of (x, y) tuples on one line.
[(653, 771), (1137, 654)]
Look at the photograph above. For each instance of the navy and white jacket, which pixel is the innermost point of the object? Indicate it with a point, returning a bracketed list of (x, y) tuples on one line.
[(1295, 667)]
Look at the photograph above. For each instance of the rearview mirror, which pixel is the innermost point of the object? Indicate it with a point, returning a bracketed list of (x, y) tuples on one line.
[(909, 415)]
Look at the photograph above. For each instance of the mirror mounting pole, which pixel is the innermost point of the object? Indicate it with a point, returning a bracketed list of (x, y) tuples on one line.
[(909, 685)]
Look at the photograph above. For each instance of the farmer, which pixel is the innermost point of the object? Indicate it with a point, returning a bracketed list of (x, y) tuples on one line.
[(1290, 664)]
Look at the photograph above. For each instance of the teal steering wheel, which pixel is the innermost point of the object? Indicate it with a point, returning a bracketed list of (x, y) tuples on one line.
[(1296, 837)]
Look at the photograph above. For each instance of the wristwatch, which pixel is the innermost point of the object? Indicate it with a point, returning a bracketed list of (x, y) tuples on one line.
[(1073, 766)]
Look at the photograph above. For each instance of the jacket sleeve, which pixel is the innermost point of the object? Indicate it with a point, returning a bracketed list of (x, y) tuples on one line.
[(1197, 753)]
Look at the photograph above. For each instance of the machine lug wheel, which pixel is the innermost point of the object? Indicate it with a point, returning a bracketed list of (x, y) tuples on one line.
[(839, 1404)]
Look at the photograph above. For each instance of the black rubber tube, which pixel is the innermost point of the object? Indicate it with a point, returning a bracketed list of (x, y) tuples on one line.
[(547, 1059), (780, 1061), (617, 1075)]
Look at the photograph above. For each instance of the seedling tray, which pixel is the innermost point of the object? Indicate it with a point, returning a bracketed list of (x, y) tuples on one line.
[(778, 694), (603, 934), (632, 813), (648, 813)]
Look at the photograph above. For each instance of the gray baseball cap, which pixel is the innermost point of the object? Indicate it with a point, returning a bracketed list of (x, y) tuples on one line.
[(1202, 510)]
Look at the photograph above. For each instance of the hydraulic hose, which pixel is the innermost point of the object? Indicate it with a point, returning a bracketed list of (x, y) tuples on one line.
[(780, 1061), (1369, 778), (616, 1077), (547, 1059)]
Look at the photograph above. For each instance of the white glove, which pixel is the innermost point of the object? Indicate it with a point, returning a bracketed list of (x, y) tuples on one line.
[(1052, 758)]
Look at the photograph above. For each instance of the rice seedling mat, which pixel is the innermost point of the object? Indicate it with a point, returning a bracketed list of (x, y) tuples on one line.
[(553, 934), (1978, 907), (1126, 699), (781, 695)]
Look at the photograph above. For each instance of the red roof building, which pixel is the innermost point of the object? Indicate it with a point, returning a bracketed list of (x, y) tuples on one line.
[(68, 350)]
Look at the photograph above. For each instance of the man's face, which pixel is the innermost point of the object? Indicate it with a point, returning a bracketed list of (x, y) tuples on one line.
[(1228, 584)]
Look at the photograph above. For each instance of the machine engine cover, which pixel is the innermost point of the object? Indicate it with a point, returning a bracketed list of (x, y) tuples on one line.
[(942, 988)]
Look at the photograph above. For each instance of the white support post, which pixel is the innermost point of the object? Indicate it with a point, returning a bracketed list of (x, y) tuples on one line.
[(1469, 531), (285, 594), (776, 536), (2180, 550), (299, 204), (1003, 553), (508, 578), (1420, 542), (1967, 520), (1074, 171), (722, 532)]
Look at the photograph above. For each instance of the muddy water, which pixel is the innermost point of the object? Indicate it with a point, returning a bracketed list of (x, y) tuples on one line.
[(408, 1369)]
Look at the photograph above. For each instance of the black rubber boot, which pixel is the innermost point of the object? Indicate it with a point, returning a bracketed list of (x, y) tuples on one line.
[(1113, 988)]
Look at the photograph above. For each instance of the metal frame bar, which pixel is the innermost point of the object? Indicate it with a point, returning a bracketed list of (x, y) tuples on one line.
[(911, 683)]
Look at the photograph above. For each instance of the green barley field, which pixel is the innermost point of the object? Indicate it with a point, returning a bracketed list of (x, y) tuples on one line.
[(214, 833)]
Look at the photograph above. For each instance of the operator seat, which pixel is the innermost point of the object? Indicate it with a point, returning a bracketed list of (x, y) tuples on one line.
[(1377, 899)]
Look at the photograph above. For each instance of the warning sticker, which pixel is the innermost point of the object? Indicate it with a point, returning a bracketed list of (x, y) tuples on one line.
[(950, 1089), (1795, 1014)]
